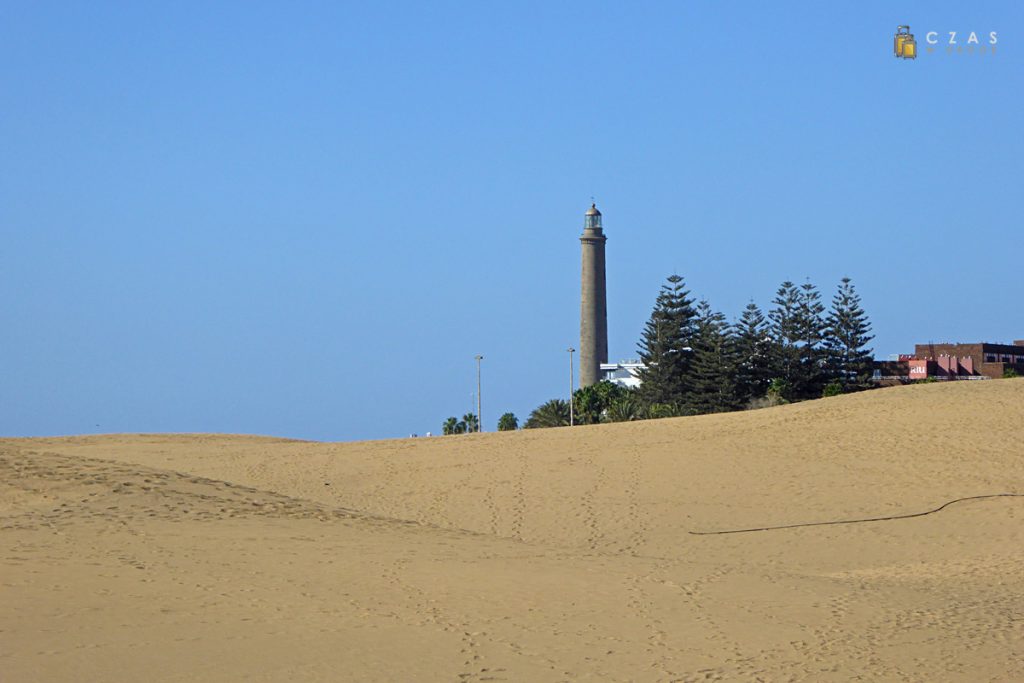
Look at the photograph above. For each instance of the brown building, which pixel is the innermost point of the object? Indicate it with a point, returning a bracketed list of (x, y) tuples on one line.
[(966, 360)]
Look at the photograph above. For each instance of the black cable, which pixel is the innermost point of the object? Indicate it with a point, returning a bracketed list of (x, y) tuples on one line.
[(857, 521)]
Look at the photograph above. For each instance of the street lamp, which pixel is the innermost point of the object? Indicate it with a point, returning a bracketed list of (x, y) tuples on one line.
[(572, 387), (479, 416)]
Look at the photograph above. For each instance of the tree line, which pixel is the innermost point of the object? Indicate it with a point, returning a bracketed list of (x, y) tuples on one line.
[(696, 362), (470, 423)]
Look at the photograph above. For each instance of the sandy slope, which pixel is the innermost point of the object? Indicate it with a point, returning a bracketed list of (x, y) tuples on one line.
[(534, 556)]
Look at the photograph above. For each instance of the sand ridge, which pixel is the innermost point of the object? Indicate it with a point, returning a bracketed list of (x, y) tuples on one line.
[(540, 555)]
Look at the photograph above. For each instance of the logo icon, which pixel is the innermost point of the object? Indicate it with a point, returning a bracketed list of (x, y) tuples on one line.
[(904, 46)]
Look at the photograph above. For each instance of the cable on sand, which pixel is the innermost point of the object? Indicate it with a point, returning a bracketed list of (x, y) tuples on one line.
[(857, 521)]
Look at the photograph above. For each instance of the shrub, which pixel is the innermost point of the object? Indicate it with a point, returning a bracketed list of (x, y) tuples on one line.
[(625, 409), (778, 392), (659, 410)]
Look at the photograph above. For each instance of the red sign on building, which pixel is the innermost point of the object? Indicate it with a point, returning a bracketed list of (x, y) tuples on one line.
[(918, 368)]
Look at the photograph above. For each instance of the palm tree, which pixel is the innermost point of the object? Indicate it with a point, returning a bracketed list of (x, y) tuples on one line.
[(554, 413), (508, 423), (450, 426), (624, 409), (658, 410), (470, 422)]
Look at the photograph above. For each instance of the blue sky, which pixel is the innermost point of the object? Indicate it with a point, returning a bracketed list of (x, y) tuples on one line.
[(305, 219)]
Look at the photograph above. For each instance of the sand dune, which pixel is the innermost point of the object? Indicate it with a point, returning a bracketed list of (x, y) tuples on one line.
[(544, 555)]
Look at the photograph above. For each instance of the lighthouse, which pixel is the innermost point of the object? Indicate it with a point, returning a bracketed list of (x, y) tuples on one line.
[(593, 300)]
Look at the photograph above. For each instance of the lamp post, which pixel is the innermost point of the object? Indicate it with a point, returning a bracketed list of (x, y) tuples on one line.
[(572, 387), (479, 416)]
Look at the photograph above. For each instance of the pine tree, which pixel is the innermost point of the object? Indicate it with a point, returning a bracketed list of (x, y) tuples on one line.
[(813, 375), (798, 330), (664, 347), (847, 336), (752, 345), (714, 366), (784, 330)]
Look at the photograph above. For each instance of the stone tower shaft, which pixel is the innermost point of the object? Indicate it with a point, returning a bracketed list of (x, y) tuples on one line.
[(593, 300)]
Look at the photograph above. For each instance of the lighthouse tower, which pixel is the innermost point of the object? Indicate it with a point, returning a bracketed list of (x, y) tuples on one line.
[(593, 300)]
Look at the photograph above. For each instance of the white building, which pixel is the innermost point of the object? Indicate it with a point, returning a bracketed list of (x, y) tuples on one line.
[(624, 373)]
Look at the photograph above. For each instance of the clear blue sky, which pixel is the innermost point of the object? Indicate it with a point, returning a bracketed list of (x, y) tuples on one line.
[(304, 219)]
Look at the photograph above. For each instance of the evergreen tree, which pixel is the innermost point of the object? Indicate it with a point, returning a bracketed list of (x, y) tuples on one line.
[(798, 329), (847, 337), (713, 387), (664, 347), (784, 330), (752, 346), (813, 375)]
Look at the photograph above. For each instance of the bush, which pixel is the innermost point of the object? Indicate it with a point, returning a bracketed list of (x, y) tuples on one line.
[(658, 410), (832, 389), (777, 395), (778, 392), (1010, 373), (768, 401), (591, 403)]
